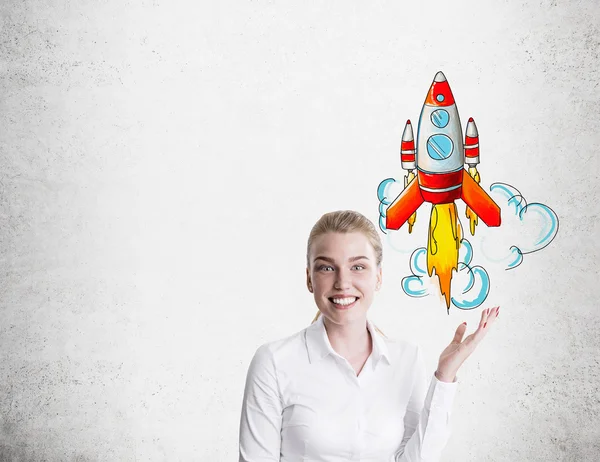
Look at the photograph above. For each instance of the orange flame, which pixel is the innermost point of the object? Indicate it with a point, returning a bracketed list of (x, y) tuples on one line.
[(443, 245), (473, 219)]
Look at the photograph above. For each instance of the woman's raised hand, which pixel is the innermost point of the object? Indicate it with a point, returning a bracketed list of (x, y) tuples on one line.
[(455, 354)]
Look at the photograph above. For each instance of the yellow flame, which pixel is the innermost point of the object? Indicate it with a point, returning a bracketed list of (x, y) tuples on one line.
[(473, 219), (413, 218), (443, 245)]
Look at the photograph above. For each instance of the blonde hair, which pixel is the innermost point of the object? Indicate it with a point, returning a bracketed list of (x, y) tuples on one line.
[(345, 221)]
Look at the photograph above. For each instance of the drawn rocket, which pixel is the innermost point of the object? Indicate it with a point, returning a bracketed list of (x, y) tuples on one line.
[(439, 158)]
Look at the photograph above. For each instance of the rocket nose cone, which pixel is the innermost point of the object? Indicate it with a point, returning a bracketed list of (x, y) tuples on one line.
[(439, 77), (407, 134), (439, 93), (472, 128)]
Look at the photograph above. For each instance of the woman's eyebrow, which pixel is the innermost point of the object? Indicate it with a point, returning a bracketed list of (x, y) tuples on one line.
[(327, 259), (331, 260), (361, 257)]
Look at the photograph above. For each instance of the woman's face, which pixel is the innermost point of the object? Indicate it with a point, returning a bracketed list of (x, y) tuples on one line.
[(343, 276)]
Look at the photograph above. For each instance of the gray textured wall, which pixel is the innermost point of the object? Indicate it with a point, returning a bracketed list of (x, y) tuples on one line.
[(161, 164)]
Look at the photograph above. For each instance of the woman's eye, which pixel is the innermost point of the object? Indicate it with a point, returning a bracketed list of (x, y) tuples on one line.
[(358, 267), (325, 268)]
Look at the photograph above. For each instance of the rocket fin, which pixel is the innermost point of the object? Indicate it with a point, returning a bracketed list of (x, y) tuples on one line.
[(404, 206), (479, 201)]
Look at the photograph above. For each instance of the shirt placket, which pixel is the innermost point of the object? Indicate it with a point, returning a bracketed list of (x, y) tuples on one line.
[(359, 415), (361, 406), (354, 447), (360, 423)]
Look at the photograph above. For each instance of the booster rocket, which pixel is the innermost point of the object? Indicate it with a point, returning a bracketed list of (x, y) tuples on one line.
[(440, 158)]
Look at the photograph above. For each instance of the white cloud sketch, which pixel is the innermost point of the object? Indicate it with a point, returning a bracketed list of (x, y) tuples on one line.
[(526, 228)]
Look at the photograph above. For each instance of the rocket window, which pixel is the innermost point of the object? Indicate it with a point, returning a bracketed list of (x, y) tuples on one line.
[(440, 118), (440, 97), (439, 147)]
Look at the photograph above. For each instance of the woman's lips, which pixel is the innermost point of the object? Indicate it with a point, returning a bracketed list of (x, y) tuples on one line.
[(344, 302)]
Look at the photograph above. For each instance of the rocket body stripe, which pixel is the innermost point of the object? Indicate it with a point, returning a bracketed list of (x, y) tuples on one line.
[(443, 197), (407, 147), (440, 180), (451, 188), (471, 143)]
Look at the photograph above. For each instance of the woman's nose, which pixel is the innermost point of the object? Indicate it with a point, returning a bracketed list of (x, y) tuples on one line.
[(342, 281)]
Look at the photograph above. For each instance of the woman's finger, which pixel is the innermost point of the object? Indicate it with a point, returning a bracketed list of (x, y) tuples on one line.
[(492, 316), (482, 321), (487, 315), (460, 332)]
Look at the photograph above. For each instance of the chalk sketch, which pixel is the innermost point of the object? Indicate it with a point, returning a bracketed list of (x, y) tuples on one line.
[(436, 174)]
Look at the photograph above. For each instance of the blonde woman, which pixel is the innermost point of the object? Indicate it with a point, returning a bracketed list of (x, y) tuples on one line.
[(339, 390)]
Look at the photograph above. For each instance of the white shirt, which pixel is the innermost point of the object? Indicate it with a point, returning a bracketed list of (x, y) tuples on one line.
[(304, 402)]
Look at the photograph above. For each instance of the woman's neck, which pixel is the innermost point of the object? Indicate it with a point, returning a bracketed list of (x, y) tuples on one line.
[(350, 341)]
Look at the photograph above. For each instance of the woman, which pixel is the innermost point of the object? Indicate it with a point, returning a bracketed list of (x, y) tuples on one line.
[(339, 390)]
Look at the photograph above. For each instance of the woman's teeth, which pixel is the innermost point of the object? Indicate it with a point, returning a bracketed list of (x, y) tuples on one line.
[(344, 301)]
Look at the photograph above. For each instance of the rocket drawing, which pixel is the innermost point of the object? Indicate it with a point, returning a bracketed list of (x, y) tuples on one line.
[(439, 157)]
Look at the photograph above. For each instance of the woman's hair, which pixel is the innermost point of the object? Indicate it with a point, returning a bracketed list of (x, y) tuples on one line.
[(345, 221)]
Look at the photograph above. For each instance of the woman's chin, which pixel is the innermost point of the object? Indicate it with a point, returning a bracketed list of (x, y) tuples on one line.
[(344, 314)]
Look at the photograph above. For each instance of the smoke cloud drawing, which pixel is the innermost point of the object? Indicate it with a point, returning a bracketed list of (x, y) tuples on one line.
[(387, 191), (527, 228), (471, 283)]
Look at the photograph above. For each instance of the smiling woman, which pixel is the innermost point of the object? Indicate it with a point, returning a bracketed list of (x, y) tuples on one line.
[(339, 390), (340, 229)]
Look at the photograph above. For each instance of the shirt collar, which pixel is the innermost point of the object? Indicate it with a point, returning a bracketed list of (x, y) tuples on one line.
[(318, 345)]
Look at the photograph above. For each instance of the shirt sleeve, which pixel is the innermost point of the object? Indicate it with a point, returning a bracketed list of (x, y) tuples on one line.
[(427, 419), (260, 423)]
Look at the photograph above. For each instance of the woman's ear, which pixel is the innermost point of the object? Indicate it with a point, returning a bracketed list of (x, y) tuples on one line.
[(308, 281), (379, 279)]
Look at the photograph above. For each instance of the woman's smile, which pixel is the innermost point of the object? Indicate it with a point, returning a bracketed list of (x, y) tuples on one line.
[(343, 302)]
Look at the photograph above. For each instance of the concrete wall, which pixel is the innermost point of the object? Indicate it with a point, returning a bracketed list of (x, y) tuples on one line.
[(161, 164)]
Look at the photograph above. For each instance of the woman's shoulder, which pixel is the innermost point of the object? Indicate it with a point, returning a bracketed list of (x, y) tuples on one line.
[(288, 347)]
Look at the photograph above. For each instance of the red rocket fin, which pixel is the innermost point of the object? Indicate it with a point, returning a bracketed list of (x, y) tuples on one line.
[(479, 201), (404, 206)]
